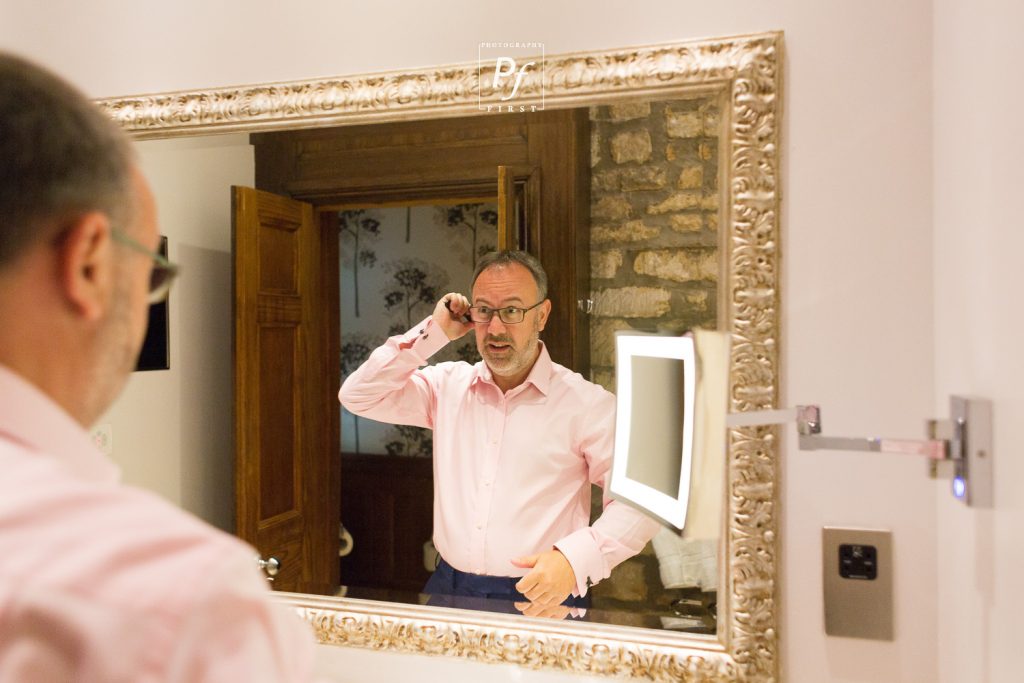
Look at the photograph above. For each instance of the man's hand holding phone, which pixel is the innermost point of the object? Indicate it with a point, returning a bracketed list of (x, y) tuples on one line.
[(451, 314)]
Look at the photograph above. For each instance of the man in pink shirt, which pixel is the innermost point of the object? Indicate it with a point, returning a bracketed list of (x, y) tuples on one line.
[(99, 581), (518, 439)]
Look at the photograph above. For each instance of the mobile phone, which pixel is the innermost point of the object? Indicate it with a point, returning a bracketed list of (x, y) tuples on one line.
[(465, 316)]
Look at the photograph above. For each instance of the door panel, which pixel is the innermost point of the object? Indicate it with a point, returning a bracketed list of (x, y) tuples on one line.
[(388, 506), (286, 462), (278, 445)]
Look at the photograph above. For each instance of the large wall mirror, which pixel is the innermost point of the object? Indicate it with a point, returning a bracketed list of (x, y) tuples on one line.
[(648, 185)]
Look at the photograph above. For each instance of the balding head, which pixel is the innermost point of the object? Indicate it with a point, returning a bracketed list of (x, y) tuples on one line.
[(59, 157), (70, 196)]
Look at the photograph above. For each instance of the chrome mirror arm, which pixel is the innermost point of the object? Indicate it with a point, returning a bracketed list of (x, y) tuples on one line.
[(965, 439)]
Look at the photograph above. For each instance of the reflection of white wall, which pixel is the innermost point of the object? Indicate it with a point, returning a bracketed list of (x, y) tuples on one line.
[(172, 429), (857, 237)]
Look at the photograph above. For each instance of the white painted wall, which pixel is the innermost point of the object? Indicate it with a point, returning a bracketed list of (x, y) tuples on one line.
[(978, 330), (858, 321), (172, 429)]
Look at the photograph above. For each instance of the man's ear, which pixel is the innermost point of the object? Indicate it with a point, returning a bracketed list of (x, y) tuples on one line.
[(545, 311), (86, 264)]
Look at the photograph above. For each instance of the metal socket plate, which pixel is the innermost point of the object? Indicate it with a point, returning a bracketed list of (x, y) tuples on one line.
[(858, 607)]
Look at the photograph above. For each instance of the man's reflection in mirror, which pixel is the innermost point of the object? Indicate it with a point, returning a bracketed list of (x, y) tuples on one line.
[(518, 440)]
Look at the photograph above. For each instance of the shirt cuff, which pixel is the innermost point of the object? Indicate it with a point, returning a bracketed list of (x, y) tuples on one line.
[(585, 558), (424, 339)]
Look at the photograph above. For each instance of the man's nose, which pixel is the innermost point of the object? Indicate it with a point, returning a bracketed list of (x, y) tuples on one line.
[(495, 326)]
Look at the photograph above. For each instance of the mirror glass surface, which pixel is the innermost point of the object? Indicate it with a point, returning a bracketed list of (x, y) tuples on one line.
[(664, 406), (655, 255)]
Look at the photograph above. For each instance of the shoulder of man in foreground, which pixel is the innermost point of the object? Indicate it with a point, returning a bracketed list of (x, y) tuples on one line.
[(108, 583)]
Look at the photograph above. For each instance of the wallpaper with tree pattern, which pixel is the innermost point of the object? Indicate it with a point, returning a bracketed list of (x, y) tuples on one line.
[(396, 262)]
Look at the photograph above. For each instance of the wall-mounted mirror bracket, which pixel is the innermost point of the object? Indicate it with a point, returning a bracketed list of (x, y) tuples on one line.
[(959, 447)]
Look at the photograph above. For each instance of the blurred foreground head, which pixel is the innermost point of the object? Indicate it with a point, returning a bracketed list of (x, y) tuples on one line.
[(73, 295)]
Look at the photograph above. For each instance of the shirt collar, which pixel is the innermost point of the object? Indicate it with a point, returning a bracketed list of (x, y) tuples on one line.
[(33, 419), (540, 373)]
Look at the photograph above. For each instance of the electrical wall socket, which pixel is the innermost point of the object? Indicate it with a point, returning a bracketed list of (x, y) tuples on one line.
[(103, 437), (857, 569)]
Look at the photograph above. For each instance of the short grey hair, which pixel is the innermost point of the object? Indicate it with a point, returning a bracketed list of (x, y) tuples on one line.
[(497, 259), (59, 156)]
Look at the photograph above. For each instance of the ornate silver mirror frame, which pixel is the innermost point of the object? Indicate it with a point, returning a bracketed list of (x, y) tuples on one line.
[(746, 70)]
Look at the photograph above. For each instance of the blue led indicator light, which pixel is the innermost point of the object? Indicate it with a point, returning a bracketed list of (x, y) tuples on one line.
[(959, 487)]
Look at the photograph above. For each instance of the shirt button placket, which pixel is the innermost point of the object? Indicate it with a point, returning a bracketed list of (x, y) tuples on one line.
[(486, 493)]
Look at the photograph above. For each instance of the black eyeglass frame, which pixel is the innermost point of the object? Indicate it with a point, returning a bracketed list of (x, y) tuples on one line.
[(511, 310)]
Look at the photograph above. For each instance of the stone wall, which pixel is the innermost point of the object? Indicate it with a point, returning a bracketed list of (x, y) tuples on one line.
[(654, 217), (654, 257)]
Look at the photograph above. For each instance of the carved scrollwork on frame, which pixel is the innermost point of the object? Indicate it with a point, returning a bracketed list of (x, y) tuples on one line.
[(492, 639), (747, 71)]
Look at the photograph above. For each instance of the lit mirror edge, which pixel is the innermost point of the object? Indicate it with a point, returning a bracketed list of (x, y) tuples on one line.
[(748, 70), (649, 500)]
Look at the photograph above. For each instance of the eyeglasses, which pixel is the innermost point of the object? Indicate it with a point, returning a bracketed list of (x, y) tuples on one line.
[(510, 315), (163, 273)]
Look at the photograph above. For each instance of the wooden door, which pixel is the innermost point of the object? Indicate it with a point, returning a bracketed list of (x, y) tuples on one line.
[(287, 465), (388, 506)]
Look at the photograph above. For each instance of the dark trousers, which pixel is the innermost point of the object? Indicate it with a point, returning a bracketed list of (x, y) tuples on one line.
[(449, 587)]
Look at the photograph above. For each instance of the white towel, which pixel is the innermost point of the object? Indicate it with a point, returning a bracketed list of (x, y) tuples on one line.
[(684, 563), (706, 504)]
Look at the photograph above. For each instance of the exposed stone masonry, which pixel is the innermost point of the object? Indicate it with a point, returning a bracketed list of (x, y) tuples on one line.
[(654, 261), (654, 217)]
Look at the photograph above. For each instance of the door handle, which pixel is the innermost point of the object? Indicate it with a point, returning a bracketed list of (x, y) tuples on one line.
[(346, 543), (270, 567)]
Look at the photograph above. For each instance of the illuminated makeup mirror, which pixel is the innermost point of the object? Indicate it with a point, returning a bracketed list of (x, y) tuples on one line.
[(656, 380)]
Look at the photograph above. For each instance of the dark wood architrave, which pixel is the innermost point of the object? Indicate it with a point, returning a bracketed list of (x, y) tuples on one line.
[(330, 331), (507, 226)]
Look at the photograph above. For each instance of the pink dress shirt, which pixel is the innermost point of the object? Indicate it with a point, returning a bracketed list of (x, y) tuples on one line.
[(103, 582), (512, 472)]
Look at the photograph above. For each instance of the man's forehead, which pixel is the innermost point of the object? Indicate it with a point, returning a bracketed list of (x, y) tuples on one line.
[(505, 283)]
